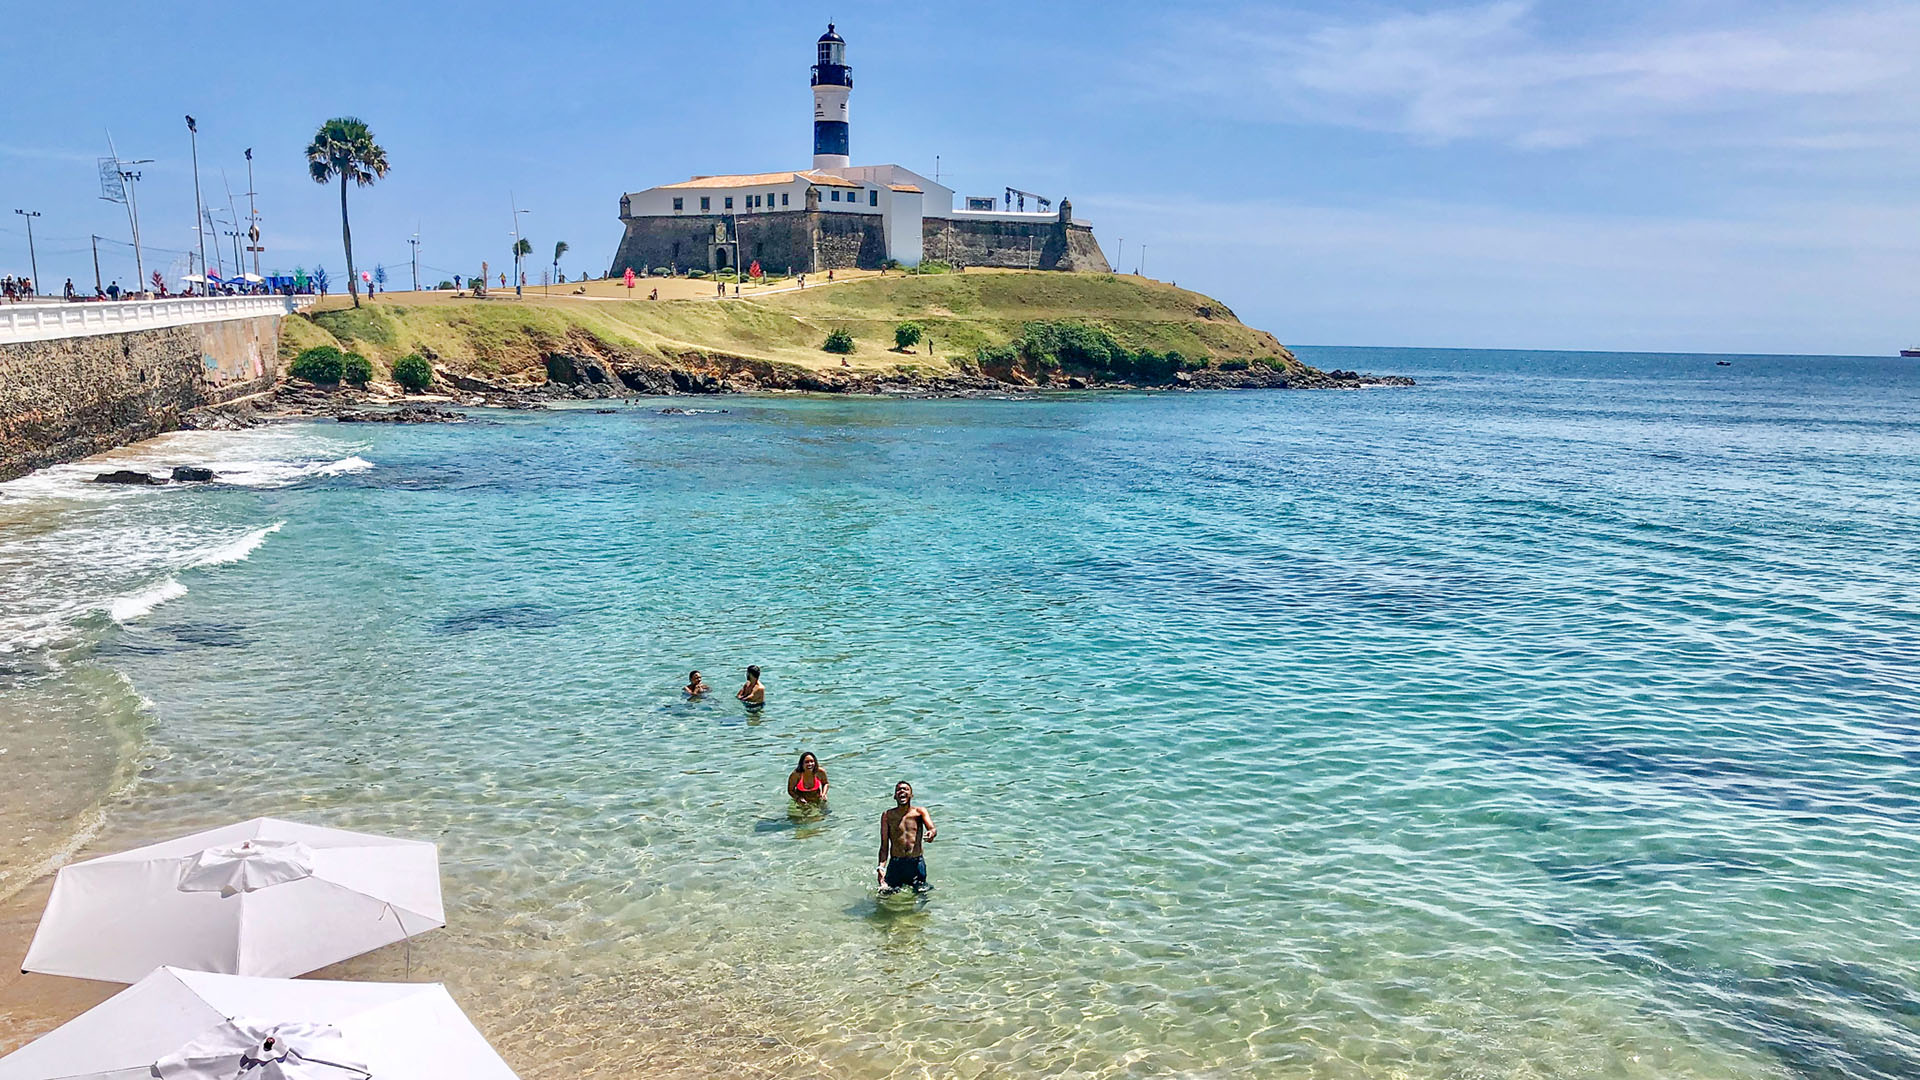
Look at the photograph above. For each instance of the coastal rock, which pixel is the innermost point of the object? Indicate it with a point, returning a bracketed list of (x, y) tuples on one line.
[(191, 474), (406, 414), (128, 476)]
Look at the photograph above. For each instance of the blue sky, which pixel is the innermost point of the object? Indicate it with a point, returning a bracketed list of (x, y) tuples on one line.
[(1690, 175)]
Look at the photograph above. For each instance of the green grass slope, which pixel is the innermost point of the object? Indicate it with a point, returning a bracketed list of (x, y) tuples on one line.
[(508, 339)]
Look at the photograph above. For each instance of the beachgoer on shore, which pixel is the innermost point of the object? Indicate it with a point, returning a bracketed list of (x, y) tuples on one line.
[(904, 830), (695, 685), (753, 694), (807, 783)]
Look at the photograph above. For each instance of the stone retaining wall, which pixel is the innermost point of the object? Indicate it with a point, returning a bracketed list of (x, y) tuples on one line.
[(1015, 245), (796, 241), (64, 399)]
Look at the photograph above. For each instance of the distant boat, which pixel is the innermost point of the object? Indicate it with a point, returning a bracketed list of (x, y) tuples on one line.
[(1723, 363), (1915, 351)]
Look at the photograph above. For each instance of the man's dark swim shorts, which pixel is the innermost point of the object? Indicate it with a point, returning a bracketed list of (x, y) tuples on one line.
[(911, 871)]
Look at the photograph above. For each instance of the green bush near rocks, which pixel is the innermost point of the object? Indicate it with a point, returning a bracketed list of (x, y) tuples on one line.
[(907, 335), (838, 341), (321, 364), (413, 372), (356, 369)]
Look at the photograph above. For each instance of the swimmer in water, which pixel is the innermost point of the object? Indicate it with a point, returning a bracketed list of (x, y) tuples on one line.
[(695, 686), (753, 695), (807, 783), (903, 831)]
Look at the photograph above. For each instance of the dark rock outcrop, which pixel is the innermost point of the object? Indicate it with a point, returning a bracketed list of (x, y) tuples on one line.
[(130, 477), (191, 474), (406, 414)]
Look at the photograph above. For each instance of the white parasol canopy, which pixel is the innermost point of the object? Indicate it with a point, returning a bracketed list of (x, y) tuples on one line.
[(264, 897), (193, 1025)]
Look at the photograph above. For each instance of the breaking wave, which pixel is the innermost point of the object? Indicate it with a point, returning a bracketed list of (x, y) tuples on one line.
[(125, 609)]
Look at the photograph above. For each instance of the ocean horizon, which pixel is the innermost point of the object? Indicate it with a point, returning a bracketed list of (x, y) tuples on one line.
[(1552, 717)]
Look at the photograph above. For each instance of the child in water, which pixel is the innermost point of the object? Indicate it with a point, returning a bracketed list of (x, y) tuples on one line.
[(753, 695)]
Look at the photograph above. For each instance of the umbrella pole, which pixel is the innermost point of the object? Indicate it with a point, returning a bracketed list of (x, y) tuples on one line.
[(406, 940)]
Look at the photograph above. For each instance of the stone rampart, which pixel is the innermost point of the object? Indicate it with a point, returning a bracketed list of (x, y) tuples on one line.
[(65, 398), (1041, 245), (783, 241)]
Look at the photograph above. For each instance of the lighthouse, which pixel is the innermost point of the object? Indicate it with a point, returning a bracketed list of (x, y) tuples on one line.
[(832, 86)]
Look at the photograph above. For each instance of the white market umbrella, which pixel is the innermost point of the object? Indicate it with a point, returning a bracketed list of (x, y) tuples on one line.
[(194, 1025), (264, 897)]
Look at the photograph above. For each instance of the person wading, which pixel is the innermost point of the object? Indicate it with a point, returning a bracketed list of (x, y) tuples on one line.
[(904, 830)]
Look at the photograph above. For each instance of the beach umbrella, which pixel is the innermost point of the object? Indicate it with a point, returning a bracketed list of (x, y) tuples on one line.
[(264, 897), (195, 1025)]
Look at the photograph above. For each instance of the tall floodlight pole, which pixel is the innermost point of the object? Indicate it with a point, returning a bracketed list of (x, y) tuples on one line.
[(414, 242), (96, 265), (1142, 268), (199, 208), (32, 258), (253, 217), (516, 239), (1120, 256)]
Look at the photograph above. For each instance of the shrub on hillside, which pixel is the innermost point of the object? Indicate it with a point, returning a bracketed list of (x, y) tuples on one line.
[(446, 286), (356, 369), (696, 273), (996, 356), (932, 266), (413, 372), (907, 335), (1235, 363), (838, 341), (661, 271), (1072, 345), (321, 364)]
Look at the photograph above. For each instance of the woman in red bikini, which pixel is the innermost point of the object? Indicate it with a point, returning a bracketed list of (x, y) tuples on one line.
[(808, 781)]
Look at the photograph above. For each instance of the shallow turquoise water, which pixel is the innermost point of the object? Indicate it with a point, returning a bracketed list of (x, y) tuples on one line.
[(1553, 718)]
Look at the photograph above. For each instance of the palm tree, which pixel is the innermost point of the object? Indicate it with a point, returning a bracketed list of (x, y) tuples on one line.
[(559, 249), (521, 249), (344, 148)]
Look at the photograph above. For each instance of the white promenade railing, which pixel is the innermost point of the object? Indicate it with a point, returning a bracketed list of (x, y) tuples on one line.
[(48, 322)]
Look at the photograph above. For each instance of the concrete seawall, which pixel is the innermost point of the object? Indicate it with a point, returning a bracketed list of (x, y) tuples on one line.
[(79, 379)]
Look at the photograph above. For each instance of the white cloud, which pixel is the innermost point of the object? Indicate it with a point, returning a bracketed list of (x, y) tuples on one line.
[(1844, 76)]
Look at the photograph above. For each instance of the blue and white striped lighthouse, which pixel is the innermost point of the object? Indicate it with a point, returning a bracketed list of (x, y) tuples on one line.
[(832, 86)]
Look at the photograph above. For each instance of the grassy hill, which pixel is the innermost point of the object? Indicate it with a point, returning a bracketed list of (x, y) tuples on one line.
[(509, 340)]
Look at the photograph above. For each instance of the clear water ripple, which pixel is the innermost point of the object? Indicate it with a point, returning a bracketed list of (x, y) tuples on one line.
[(1553, 719)]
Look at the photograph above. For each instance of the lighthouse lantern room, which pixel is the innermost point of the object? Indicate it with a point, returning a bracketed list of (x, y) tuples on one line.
[(832, 86)]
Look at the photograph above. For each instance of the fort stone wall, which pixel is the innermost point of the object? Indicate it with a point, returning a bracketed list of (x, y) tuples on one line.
[(796, 241), (1041, 245)]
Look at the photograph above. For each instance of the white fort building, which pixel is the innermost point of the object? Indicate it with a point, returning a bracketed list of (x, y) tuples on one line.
[(837, 214)]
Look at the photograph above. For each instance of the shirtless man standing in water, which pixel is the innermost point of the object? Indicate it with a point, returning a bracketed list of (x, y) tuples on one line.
[(903, 831)]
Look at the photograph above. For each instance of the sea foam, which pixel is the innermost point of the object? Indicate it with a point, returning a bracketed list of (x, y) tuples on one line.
[(235, 550), (125, 609)]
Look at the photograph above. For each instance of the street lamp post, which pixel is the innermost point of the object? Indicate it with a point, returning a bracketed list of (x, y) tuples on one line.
[(414, 242), (33, 259), (193, 136), (516, 240), (253, 217)]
